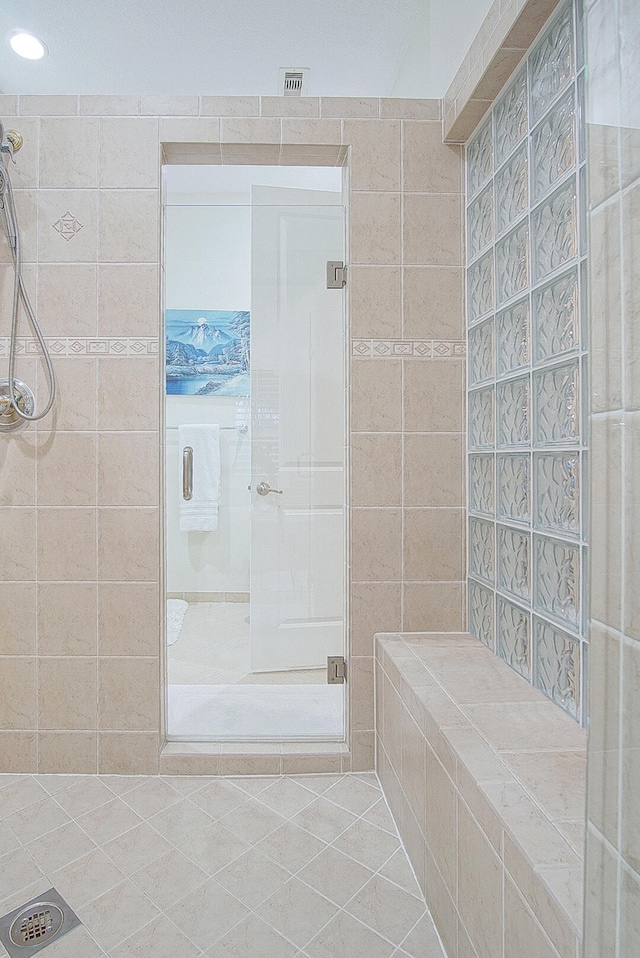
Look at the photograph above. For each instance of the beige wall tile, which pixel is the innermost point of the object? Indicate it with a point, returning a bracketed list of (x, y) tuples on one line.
[(375, 305), (128, 753), (128, 393), (304, 131), (601, 894), (375, 544), (18, 752), (631, 527), (433, 606), (630, 713), (67, 299), (128, 697), (67, 693), (18, 692), (428, 164), (439, 823), (375, 153), (181, 129), (263, 130), (375, 607), (129, 300), (67, 618), (410, 109), (128, 544), (129, 226), (630, 155), (433, 396), (375, 228), (68, 153), (48, 105), (24, 175), (345, 106), (631, 268), (433, 470), (606, 309), (522, 932), (606, 520), (139, 137), (128, 618), (603, 169), (432, 547), (128, 469), (26, 202), (362, 752), (376, 395), (433, 303), (98, 105), (66, 544), (361, 701), (75, 404), (17, 618), (170, 105), (414, 772), (230, 106), (604, 742), (67, 753), (441, 905), (67, 225), (18, 470), (289, 106), (479, 886), (58, 483), (376, 469), (432, 229), (629, 915), (18, 544)]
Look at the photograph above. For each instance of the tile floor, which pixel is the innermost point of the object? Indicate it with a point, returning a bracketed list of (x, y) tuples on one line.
[(181, 867), (213, 649)]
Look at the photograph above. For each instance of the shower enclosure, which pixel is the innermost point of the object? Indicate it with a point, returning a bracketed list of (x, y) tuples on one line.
[(258, 595)]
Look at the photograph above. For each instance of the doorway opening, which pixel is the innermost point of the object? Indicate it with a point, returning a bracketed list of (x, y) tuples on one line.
[(255, 452)]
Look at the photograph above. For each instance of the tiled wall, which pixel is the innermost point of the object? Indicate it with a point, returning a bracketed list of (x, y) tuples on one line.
[(80, 562), (526, 246), (612, 925)]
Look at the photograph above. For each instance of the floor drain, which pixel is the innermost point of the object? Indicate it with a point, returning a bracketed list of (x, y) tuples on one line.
[(26, 930)]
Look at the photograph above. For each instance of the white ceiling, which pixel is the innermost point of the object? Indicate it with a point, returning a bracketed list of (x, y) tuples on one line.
[(235, 47)]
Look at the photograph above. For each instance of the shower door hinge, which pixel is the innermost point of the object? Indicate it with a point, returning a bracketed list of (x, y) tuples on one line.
[(336, 274), (336, 669)]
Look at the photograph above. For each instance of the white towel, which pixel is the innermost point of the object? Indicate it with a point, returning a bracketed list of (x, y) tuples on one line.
[(200, 513)]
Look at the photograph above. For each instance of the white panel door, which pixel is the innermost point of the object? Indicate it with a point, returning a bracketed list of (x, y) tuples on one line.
[(297, 403)]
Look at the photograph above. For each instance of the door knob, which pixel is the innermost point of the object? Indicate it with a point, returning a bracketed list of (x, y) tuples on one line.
[(263, 489)]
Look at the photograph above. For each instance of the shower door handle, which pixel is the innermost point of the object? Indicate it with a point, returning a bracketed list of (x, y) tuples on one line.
[(187, 473), (263, 489)]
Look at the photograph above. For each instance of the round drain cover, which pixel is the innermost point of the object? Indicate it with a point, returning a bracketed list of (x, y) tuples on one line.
[(40, 922)]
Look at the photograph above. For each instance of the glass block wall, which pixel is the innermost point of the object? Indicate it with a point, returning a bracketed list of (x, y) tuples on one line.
[(526, 291)]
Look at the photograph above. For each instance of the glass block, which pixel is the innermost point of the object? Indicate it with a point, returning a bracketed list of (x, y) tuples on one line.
[(557, 405), (556, 317), (479, 160), (481, 422), (513, 412), (555, 230), (481, 364), (480, 287), (481, 549), (556, 580), (513, 636), (514, 562), (481, 613), (512, 332), (557, 492), (512, 263), (551, 64), (480, 222), (556, 668), (553, 149), (513, 481), (510, 118), (512, 190), (481, 485)]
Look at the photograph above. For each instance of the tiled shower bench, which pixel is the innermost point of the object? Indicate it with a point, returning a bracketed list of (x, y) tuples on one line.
[(486, 779)]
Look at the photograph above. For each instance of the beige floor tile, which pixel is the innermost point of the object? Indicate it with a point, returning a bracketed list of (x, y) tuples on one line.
[(55, 784), (180, 821), (297, 912), (76, 944), (345, 935), (399, 871), (188, 784), (291, 847), (118, 914), (214, 848), (169, 878), (253, 784), (219, 798), (254, 938), (159, 938), (207, 914), (151, 797), (8, 840), (36, 820), (108, 821), (87, 878), (120, 784), (252, 821), (60, 847), (324, 819), (136, 848), (286, 797), (317, 783), (423, 941), (369, 845), (353, 794), (380, 815), (17, 870), (84, 796), (252, 877), (335, 876), (19, 794), (388, 909)]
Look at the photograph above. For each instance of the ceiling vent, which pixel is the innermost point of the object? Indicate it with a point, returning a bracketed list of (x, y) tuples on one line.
[(294, 81)]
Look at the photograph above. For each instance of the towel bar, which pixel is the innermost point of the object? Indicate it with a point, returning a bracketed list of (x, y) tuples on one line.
[(187, 473)]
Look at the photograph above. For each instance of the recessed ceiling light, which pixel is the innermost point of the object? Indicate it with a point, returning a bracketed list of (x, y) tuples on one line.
[(27, 46)]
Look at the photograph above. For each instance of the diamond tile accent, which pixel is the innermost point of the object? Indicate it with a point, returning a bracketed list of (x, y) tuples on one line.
[(68, 226)]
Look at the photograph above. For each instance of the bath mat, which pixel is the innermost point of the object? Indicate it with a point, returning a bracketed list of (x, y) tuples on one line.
[(176, 611), (255, 711)]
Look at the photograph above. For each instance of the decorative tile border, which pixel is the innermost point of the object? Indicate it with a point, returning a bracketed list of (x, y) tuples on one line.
[(407, 349), (89, 346)]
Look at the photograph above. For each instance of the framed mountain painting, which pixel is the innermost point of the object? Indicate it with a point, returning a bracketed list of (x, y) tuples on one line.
[(207, 352)]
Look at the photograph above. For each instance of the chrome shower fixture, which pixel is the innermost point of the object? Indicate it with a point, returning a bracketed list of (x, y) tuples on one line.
[(17, 406)]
